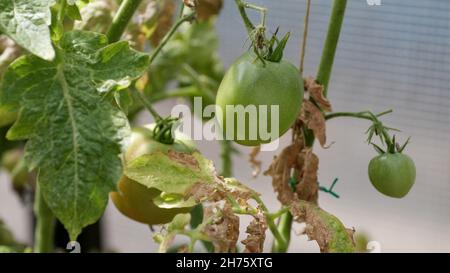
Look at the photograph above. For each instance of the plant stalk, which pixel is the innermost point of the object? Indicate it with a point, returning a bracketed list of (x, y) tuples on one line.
[(284, 228), (45, 225), (122, 18), (331, 42)]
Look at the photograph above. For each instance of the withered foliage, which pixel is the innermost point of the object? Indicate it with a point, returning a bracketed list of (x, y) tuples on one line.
[(308, 164), (165, 13), (316, 92), (280, 171), (298, 161), (324, 228), (254, 162), (314, 119), (208, 8), (256, 230), (222, 228)]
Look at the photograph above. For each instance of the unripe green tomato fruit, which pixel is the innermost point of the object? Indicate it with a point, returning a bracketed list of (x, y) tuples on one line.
[(249, 82), (392, 174), (135, 200)]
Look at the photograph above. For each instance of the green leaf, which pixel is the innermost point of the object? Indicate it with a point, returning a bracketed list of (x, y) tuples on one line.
[(74, 133), (26, 22), (73, 12), (179, 222), (171, 173)]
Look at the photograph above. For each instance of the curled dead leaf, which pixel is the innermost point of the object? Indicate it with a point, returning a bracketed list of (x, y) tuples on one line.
[(314, 119), (308, 188), (254, 243), (222, 228), (280, 171), (329, 233), (316, 92)]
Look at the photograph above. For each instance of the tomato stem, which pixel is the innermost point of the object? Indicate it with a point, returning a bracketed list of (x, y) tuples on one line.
[(169, 35), (45, 225), (329, 49), (248, 24), (120, 21)]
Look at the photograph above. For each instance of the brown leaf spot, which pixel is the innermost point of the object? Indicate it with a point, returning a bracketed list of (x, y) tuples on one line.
[(184, 159)]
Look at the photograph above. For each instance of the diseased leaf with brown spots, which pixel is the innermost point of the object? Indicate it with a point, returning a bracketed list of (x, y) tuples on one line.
[(315, 92), (314, 119), (324, 228), (254, 162), (254, 243), (208, 8), (223, 228), (171, 172), (308, 164)]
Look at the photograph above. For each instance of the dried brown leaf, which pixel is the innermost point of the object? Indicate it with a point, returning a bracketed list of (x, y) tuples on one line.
[(316, 92), (314, 119), (324, 228), (223, 228), (254, 162), (254, 243), (280, 171), (308, 165), (165, 21)]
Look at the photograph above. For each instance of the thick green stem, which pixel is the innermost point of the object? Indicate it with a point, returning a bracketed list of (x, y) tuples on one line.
[(122, 18), (331, 42), (45, 225), (284, 228)]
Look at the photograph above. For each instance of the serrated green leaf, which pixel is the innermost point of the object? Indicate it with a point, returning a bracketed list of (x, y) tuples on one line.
[(171, 173), (26, 22), (74, 134)]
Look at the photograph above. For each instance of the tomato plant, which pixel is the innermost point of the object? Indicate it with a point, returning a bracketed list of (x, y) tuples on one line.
[(75, 74)]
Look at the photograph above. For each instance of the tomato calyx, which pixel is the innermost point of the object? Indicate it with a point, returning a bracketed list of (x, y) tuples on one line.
[(164, 130), (270, 50)]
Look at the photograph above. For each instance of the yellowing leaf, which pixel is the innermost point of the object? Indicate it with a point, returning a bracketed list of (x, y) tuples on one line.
[(171, 172)]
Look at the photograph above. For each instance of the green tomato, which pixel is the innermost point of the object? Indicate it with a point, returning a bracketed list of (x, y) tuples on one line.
[(250, 82), (392, 174), (137, 201)]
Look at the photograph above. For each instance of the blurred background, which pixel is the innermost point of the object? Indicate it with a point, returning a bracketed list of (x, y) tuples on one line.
[(393, 56)]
